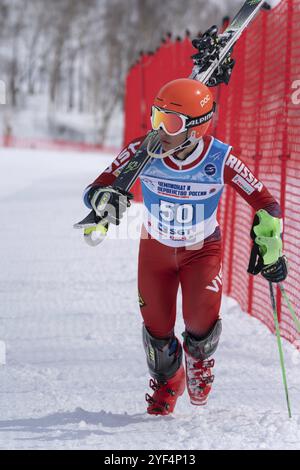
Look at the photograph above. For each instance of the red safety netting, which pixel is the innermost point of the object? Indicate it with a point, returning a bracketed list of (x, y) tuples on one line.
[(259, 114)]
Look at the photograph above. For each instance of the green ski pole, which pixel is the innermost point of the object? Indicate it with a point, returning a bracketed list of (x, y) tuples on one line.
[(292, 311), (273, 302)]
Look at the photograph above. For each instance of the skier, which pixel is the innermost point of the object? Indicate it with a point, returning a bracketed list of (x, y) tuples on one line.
[(181, 241)]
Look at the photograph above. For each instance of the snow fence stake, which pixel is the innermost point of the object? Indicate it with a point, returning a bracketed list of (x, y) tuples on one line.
[(273, 302), (292, 311)]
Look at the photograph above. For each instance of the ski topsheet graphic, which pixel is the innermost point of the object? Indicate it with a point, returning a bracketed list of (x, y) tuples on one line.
[(212, 65)]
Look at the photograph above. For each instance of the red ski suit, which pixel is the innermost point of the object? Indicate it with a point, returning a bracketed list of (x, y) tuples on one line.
[(162, 268)]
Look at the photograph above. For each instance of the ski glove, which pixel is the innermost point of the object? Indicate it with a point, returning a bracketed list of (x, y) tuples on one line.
[(110, 203), (276, 272), (266, 254)]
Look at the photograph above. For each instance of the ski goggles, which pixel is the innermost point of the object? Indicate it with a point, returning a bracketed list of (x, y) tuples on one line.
[(174, 123)]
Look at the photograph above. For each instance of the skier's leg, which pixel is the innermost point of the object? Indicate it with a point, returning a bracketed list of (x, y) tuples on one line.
[(158, 282), (164, 358), (201, 284), (200, 275)]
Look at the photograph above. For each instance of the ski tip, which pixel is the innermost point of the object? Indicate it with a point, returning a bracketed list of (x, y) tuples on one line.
[(91, 220), (81, 225)]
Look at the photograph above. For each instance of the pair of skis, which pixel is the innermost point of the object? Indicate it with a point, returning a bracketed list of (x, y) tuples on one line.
[(212, 65)]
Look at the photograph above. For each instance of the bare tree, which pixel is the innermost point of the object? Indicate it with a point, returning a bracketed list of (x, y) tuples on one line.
[(78, 51)]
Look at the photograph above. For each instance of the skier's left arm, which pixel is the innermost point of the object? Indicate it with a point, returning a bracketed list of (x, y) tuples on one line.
[(266, 254)]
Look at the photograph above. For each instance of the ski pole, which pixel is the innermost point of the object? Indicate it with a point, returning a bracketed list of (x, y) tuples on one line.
[(273, 302), (292, 311)]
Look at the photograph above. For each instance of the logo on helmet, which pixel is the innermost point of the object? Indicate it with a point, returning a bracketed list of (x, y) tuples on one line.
[(205, 101), (200, 120)]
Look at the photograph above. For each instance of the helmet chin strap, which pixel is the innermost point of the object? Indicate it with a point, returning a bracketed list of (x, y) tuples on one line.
[(189, 141)]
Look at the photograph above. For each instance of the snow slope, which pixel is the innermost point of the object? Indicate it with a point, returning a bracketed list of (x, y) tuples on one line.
[(76, 374)]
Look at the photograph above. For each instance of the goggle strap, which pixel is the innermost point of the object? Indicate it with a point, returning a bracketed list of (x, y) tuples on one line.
[(197, 121)]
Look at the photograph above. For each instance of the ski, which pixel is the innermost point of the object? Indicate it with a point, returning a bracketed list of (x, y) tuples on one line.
[(212, 65), (214, 50)]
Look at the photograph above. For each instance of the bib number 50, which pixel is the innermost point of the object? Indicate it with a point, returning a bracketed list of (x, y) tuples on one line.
[(178, 213)]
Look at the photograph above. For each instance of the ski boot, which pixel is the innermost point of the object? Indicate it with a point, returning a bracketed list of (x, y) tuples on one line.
[(199, 377), (164, 358), (166, 393)]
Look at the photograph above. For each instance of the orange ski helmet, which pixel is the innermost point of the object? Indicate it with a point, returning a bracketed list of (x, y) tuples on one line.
[(189, 98)]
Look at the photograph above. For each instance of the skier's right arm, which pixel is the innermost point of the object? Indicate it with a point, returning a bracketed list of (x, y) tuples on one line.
[(108, 176)]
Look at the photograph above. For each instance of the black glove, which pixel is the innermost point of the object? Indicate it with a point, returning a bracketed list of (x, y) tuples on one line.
[(110, 203), (276, 272)]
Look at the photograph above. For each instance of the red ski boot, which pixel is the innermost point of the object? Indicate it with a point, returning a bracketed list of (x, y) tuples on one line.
[(165, 394), (198, 378), (198, 365)]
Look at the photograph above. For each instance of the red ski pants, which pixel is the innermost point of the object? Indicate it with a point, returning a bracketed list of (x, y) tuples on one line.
[(161, 269)]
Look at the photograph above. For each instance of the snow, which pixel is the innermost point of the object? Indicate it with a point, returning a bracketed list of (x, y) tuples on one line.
[(75, 373), (35, 120)]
